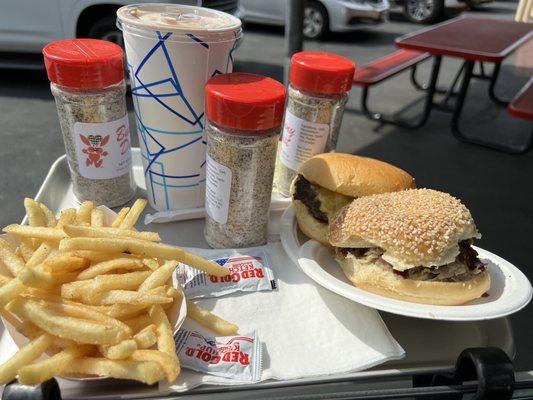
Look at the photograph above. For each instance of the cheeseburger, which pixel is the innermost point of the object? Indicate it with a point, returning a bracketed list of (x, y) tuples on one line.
[(413, 245), (327, 182)]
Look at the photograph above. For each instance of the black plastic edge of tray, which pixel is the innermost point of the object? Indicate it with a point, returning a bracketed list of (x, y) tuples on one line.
[(489, 366)]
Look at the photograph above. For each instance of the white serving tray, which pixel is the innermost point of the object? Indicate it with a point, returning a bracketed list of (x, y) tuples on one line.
[(452, 337)]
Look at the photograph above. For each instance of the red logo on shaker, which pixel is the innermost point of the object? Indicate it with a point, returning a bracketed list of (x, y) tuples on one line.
[(94, 149)]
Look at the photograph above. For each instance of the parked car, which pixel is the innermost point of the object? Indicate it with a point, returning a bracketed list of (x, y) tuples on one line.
[(27, 25), (429, 11), (320, 16)]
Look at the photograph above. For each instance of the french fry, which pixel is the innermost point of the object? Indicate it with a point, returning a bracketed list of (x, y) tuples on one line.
[(139, 322), (111, 265), (55, 365), (4, 279), (165, 337), (106, 232), (11, 261), (96, 256), (101, 283), (83, 216), (159, 277), (26, 355), (35, 213), (210, 320), (127, 281), (168, 363), (64, 263), (49, 216), (57, 324), (134, 214), (82, 311), (42, 252), (26, 250), (32, 331), (147, 372), (121, 311), (36, 278), (66, 217), (145, 249), (10, 290), (120, 217), (132, 297), (146, 337), (97, 218), (72, 290), (10, 318), (174, 292), (38, 232), (151, 263), (119, 351)]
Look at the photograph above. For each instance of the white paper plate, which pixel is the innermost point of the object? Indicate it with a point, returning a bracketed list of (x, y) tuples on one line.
[(510, 290), (176, 313)]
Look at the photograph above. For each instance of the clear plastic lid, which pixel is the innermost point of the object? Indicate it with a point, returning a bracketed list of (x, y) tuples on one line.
[(177, 18)]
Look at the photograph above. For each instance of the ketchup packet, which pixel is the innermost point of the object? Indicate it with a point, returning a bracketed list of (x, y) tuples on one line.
[(236, 357), (248, 273)]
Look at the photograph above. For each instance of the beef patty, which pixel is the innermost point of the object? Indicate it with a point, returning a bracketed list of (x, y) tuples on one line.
[(308, 195)]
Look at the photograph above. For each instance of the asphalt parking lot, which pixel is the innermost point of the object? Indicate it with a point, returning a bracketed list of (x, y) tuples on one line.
[(496, 187)]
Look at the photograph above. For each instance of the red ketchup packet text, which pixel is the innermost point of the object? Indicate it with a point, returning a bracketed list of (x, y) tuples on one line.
[(248, 273), (235, 357)]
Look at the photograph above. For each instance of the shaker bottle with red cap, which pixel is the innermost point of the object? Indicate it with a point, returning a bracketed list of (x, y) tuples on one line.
[(318, 91), (87, 81), (244, 114)]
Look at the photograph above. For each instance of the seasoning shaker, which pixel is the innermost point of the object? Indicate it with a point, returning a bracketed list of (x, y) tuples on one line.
[(319, 83), (87, 81), (244, 114)]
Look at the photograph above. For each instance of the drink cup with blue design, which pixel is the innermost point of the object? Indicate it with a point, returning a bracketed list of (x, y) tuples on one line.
[(172, 50)]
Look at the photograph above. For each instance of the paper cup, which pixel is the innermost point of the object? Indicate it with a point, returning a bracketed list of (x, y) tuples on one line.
[(171, 52)]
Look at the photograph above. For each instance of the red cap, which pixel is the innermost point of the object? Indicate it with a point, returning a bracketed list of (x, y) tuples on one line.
[(84, 63), (244, 101), (321, 72)]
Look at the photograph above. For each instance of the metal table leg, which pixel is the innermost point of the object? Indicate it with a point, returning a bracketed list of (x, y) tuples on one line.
[(468, 70), (492, 86), (428, 102)]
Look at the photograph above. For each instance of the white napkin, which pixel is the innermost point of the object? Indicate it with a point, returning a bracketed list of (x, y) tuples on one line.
[(306, 330)]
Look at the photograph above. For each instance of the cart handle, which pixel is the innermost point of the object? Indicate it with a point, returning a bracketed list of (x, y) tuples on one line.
[(490, 366)]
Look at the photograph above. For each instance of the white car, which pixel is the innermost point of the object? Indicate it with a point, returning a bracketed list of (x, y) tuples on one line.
[(27, 25), (320, 16)]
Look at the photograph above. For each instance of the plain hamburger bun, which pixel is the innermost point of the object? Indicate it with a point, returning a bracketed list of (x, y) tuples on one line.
[(417, 227), (309, 225), (382, 281), (354, 176)]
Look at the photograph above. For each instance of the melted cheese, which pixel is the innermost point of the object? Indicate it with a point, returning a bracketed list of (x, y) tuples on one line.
[(331, 202), (399, 265)]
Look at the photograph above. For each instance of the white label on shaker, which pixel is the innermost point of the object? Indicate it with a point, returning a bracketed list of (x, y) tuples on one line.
[(103, 149), (217, 190), (301, 140)]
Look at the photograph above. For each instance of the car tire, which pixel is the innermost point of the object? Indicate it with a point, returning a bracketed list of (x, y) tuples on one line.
[(106, 29), (423, 11), (316, 20)]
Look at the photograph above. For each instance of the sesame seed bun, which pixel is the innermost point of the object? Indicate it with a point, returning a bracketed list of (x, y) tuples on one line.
[(417, 227), (354, 176), (372, 278), (309, 225)]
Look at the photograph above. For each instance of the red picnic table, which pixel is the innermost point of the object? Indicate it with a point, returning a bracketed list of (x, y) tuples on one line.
[(474, 40)]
